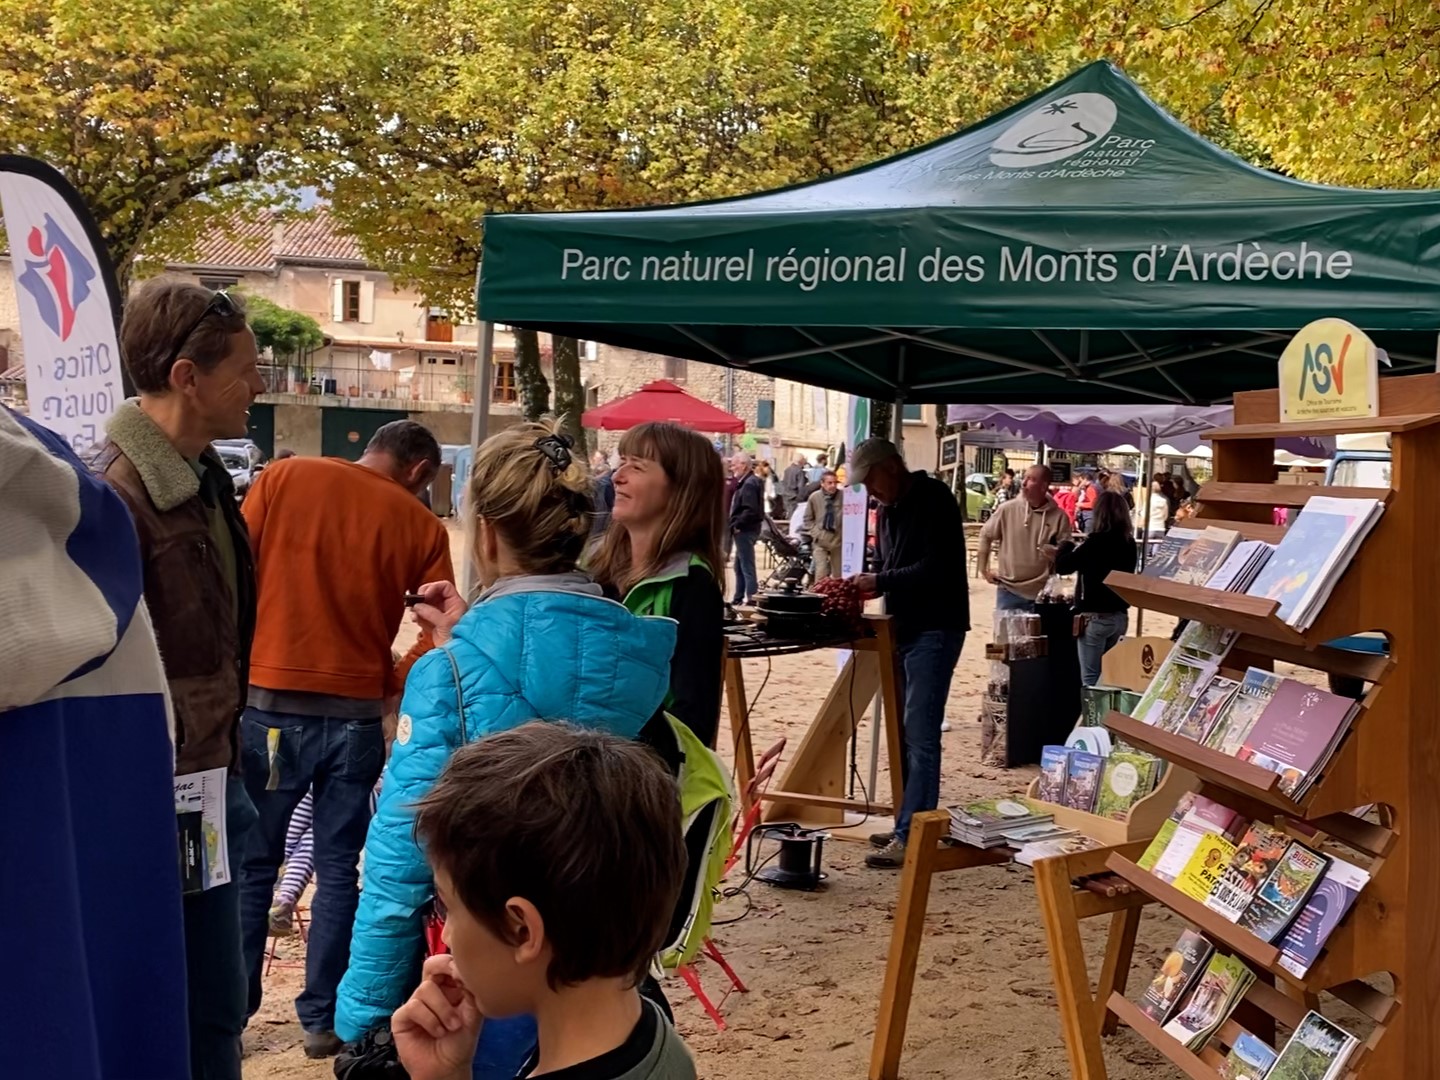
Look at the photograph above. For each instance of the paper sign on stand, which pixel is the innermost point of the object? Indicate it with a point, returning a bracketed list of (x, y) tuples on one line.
[(1330, 370)]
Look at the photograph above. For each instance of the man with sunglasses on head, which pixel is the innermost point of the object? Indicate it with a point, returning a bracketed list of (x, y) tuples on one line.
[(192, 359)]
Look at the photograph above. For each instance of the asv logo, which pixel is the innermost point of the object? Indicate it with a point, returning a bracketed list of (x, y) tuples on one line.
[(1057, 129), (1323, 370)]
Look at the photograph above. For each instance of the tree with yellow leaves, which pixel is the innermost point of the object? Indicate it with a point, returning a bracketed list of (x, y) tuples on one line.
[(1331, 91)]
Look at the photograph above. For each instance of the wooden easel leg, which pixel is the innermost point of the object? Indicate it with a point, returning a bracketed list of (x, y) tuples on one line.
[(1115, 971), (926, 831), (892, 710), (1078, 1023), (739, 708)]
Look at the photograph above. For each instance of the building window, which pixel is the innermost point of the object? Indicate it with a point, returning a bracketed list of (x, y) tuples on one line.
[(912, 414), (350, 301), (765, 413), (675, 369), (505, 392), (218, 284)]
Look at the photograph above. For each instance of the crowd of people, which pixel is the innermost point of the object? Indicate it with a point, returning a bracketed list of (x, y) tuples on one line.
[(513, 777)]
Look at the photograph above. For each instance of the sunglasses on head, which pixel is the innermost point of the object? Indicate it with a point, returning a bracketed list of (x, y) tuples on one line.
[(220, 304)]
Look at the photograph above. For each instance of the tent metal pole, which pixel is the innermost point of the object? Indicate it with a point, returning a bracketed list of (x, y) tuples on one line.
[(1149, 467), (479, 432)]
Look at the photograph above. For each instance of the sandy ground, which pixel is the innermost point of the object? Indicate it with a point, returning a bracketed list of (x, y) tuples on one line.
[(984, 1007)]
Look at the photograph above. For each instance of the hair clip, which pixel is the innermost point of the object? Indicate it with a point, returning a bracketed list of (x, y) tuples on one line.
[(556, 449)]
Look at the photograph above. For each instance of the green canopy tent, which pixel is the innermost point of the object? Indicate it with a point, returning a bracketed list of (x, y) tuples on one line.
[(1081, 247)]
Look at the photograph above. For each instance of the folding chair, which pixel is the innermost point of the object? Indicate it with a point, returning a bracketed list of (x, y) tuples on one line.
[(743, 825), (302, 931)]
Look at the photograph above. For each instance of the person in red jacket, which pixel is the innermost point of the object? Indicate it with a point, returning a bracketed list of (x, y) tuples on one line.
[(338, 544)]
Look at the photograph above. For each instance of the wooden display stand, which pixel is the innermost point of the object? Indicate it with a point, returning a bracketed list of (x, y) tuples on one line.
[(1084, 1018), (812, 788), (1390, 756)]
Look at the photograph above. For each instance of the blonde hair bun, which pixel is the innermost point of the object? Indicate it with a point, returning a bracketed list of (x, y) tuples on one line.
[(531, 486)]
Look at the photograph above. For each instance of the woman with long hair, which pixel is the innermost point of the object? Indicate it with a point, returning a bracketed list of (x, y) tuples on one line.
[(540, 641), (1149, 520), (1103, 614), (661, 555)]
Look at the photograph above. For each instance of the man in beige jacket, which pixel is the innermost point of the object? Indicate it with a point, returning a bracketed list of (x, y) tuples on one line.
[(1022, 528)]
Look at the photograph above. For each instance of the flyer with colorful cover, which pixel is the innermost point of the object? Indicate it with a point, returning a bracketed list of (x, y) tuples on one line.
[(1260, 849), (1328, 905), (1285, 892)]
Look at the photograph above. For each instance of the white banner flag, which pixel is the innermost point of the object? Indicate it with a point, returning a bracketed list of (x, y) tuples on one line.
[(65, 291), (853, 516)]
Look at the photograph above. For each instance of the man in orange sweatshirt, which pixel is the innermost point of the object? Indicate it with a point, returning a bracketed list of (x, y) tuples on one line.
[(337, 546)]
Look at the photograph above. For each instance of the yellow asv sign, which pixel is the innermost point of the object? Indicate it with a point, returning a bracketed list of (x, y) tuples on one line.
[(1330, 370)]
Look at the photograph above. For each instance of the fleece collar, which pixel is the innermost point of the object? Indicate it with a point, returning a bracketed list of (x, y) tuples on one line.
[(168, 478)]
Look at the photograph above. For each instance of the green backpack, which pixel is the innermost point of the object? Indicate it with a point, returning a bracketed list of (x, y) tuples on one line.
[(706, 799)]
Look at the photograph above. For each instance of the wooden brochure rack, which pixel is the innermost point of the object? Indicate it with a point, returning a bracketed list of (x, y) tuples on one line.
[(1390, 756)]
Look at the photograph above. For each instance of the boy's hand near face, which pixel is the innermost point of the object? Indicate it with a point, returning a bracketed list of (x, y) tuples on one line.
[(436, 1030)]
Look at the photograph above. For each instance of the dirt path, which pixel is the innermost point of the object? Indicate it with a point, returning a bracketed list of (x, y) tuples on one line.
[(984, 1008)]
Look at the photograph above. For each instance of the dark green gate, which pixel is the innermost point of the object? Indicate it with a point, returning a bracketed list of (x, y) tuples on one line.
[(344, 432)]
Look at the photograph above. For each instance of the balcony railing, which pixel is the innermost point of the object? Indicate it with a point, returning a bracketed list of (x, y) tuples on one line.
[(419, 384)]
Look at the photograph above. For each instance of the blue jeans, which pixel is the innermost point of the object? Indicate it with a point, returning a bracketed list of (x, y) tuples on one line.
[(1005, 600), (214, 964), (928, 663), (341, 760), (1102, 631), (747, 581)]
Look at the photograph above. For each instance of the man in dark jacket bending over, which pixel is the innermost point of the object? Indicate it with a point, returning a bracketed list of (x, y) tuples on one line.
[(921, 547)]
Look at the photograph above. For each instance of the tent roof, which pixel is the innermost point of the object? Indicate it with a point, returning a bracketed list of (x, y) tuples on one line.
[(1080, 247), (661, 400)]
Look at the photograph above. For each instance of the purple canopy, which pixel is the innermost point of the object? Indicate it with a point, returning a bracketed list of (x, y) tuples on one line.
[(1096, 428)]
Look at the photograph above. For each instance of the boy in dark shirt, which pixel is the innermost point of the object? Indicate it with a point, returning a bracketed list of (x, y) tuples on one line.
[(558, 857)]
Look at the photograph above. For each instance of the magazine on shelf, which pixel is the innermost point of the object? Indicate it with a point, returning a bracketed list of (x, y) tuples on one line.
[(1249, 1059), (1165, 559), (1082, 780), (1202, 872), (1328, 905), (1240, 568), (1285, 892), (1256, 856), (1032, 852), (1204, 816), (1194, 561), (1319, 1050), (1233, 725), (1206, 643), (1205, 713), (983, 823), (1172, 691), (1297, 733), (1182, 966), (1162, 838), (1313, 554), (1210, 1001), (1053, 762), (1128, 776)]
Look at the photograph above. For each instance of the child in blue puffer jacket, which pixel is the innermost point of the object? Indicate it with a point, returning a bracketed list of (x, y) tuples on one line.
[(540, 642)]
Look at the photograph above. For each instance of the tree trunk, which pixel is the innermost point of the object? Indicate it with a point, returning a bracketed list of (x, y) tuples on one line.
[(569, 395), (530, 380), (882, 424)]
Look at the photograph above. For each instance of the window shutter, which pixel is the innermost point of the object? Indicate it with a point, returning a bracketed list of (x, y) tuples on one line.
[(765, 413), (367, 301), (912, 413), (337, 300)]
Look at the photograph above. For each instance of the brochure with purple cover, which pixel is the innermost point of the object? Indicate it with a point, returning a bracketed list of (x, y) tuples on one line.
[(1328, 904), (1297, 732)]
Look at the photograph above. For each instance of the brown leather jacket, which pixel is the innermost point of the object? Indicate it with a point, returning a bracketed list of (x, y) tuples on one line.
[(206, 654)]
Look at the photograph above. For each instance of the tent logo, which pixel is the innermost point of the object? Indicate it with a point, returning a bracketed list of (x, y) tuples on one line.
[(1057, 129)]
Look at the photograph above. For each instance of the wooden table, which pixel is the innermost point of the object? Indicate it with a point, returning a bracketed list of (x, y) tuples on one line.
[(1084, 1017), (813, 787)]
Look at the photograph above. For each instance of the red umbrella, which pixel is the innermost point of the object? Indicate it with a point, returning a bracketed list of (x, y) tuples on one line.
[(661, 400)]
